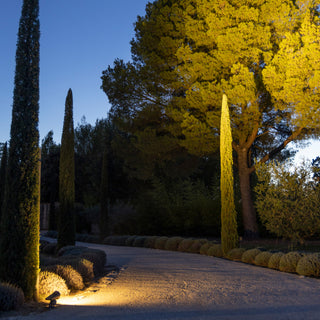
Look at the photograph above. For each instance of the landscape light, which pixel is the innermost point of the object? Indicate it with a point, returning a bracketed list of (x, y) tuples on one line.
[(53, 299)]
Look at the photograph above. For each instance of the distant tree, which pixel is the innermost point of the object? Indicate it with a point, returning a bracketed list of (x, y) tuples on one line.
[(66, 219), (316, 169), (229, 233), (19, 247), (104, 197), (3, 169)]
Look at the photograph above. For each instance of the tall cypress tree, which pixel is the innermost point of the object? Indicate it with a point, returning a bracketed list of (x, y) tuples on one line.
[(66, 219), (229, 233), (3, 169), (19, 245), (104, 196)]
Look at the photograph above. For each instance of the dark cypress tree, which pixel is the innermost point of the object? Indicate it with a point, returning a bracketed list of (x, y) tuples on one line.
[(66, 220), (19, 245), (104, 196), (3, 169)]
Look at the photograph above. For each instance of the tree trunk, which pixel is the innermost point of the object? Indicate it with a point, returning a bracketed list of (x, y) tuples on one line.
[(248, 211)]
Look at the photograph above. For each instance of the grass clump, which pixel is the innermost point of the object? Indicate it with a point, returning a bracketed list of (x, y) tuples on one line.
[(215, 250), (11, 297), (250, 255), (235, 254), (289, 261), (172, 244), (309, 265), (72, 277), (262, 259), (50, 282)]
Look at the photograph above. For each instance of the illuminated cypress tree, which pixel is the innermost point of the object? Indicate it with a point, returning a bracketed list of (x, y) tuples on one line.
[(19, 246), (229, 233), (66, 218), (3, 169)]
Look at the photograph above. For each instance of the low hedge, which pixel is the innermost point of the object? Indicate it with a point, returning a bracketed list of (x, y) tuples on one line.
[(309, 265), (250, 255), (11, 297), (262, 259), (274, 260), (289, 261), (215, 250), (235, 254)]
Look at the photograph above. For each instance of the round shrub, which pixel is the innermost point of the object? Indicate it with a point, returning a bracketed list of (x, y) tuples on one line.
[(50, 282), (49, 248), (43, 243), (150, 242), (289, 261), (139, 241), (119, 240), (309, 265), (274, 260), (97, 257), (235, 254), (185, 244), (196, 245), (71, 250), (83, 266), (262, 259), (205, 247), (249, 255), (130, 240), (107, 240), (11, 297), (173, 243), (72, 277), (215, 250), (161, 243), (47, 260)]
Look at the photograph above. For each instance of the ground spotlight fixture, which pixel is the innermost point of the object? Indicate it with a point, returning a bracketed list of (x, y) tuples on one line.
[(53, 299)]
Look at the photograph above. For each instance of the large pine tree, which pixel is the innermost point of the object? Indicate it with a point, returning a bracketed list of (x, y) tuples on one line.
[(229, 233), (19, 246), (66, 219)]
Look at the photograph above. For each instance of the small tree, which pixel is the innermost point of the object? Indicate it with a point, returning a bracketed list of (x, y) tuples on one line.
[(66, 219), (288, 202), (229, 233)]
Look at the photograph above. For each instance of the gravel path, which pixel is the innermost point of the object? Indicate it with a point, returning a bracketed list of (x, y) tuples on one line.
[(154, 284)]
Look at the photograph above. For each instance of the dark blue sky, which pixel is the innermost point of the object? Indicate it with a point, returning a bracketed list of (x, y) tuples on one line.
[(79, 39)]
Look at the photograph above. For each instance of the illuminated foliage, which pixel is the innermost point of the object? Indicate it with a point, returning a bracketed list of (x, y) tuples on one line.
[(19, 245), (229, 233), (66, 218)]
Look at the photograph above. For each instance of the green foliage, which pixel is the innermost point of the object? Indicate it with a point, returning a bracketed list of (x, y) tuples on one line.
[(11, 297), (160, 243), (72, 277), (66, 221), (3, 169), (205, 247), (249, 256), (196, 245), (289, 261), (50, 282), (229, 232), (215, 250), (309, 265), (104, 197), (19, 243), (274, 261), (185, 245), (235, 254), (262, 259), (288, 202), (150, 242), (173, 243)]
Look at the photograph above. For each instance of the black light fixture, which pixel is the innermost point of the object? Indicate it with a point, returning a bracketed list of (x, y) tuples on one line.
[(53, 299)]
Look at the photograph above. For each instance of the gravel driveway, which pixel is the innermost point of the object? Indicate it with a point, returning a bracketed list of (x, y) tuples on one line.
[(154, 284)]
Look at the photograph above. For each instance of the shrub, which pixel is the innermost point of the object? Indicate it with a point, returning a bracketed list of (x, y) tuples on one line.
[(43, 243), (83, 266), (72, 277), (289, 261), (287, 202), (51, 234), (119, 240), (215, 250), (150, 242), (97, 257), (11, 297), (185, 245), (130, 240), (49, 248), (71, 250), (262, 259), (309, 265), (139, 241), (173, 243), (205, 247), (274, 260), (249, 255), (160, 243), (50, 282), (235, 254), (196, 245)]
